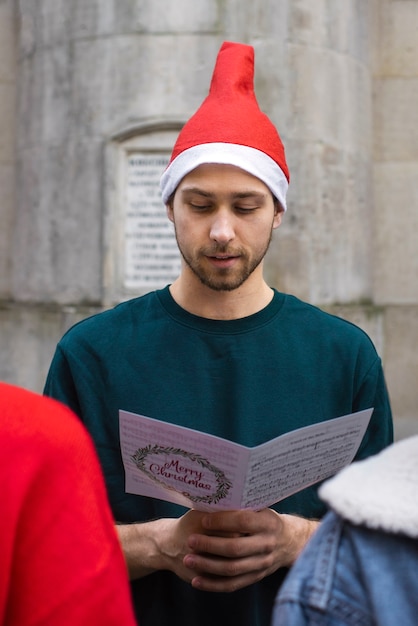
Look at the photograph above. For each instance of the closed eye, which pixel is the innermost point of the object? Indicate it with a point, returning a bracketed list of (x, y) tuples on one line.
[(246, 209), (199, 207)]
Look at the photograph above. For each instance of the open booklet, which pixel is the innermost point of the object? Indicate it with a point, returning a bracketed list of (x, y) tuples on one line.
[(208, 473)]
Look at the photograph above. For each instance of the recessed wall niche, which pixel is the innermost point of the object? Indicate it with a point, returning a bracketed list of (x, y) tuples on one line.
[(140, 250)]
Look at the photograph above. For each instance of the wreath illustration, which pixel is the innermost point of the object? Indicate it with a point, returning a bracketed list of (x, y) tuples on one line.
[(223, 483)]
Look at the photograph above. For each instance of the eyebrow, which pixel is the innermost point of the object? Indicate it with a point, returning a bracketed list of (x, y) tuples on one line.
[(239, 194)]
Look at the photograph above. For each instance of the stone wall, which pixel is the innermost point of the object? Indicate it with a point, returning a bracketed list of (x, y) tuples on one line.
[(395, 223), (98, 80), (8, 78)]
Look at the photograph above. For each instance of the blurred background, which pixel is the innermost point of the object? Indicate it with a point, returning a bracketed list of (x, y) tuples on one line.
[(92, 95)]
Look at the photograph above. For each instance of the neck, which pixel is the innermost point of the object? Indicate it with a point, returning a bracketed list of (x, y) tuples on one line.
[(196, 298)]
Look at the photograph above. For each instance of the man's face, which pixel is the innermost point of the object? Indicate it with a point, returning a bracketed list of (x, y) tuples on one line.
[(223, 219)]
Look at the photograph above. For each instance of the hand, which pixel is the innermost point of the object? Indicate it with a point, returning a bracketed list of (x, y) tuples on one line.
[(222, 551), (159, 545), (173, 537), (238, 548)]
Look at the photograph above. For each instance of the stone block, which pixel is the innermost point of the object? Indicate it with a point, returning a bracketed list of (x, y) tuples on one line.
[(287, 265), (58, 250), (271, 78), (7, 122), (31, 102), (329, 99), (28, 338), (7, 207), (183, 16), (27, 344), (341, 26), (7, 42), (64, 19), (398, 39), (396, 233), (156, 71), (396, 119), (401, 361), (254, 22), (329, 214)]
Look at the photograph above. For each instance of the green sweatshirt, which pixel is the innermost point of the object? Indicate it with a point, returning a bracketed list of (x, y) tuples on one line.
[(247, 380)]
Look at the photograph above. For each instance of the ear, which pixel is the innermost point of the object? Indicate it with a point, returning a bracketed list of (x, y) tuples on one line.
[(170, 213), (278, 214)]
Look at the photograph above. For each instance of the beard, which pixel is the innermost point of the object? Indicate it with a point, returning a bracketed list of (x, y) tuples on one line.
[(223, 279)]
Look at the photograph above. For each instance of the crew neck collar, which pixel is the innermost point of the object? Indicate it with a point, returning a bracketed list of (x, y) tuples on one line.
[(242, 324)]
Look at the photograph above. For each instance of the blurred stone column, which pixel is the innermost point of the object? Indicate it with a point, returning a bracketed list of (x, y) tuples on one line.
[(323, 252), (396, 201)]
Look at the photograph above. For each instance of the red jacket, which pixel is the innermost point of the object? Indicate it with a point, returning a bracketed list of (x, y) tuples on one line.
[(60, 559)]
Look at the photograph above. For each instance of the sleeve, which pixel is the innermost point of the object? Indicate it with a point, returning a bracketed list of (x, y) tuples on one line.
[(59, 383), (68, 567), (373, 393)]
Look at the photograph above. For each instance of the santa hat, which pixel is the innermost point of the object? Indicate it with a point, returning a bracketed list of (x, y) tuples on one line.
[(229, 128)]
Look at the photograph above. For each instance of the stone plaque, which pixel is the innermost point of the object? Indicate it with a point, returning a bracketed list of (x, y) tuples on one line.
[(152, 258)]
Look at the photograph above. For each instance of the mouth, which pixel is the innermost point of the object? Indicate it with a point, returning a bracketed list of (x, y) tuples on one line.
[(222, 260)]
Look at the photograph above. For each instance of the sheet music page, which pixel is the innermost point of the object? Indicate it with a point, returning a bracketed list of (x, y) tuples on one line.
[(303, 457)]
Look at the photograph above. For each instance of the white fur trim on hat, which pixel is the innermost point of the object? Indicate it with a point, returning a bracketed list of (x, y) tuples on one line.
[(251, 160)]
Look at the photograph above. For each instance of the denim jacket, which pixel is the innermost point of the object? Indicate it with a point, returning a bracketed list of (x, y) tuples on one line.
[(361, 566), (351, 576)]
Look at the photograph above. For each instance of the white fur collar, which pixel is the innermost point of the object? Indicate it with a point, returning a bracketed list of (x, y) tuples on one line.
[(381, 491)]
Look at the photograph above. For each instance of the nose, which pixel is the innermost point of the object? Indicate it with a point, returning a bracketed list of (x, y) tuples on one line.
[(222, 230)]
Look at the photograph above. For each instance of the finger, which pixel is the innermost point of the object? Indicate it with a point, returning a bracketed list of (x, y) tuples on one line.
[(206, 565), (234, 546), (229, 547), (240, 522), (243, 522), (226, 585)]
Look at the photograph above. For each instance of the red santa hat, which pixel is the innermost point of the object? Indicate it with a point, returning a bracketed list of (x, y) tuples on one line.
[(229, 128)]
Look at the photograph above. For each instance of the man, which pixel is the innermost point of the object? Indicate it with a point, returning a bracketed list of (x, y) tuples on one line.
[(220, 351), (361, 565), (61, 562)]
